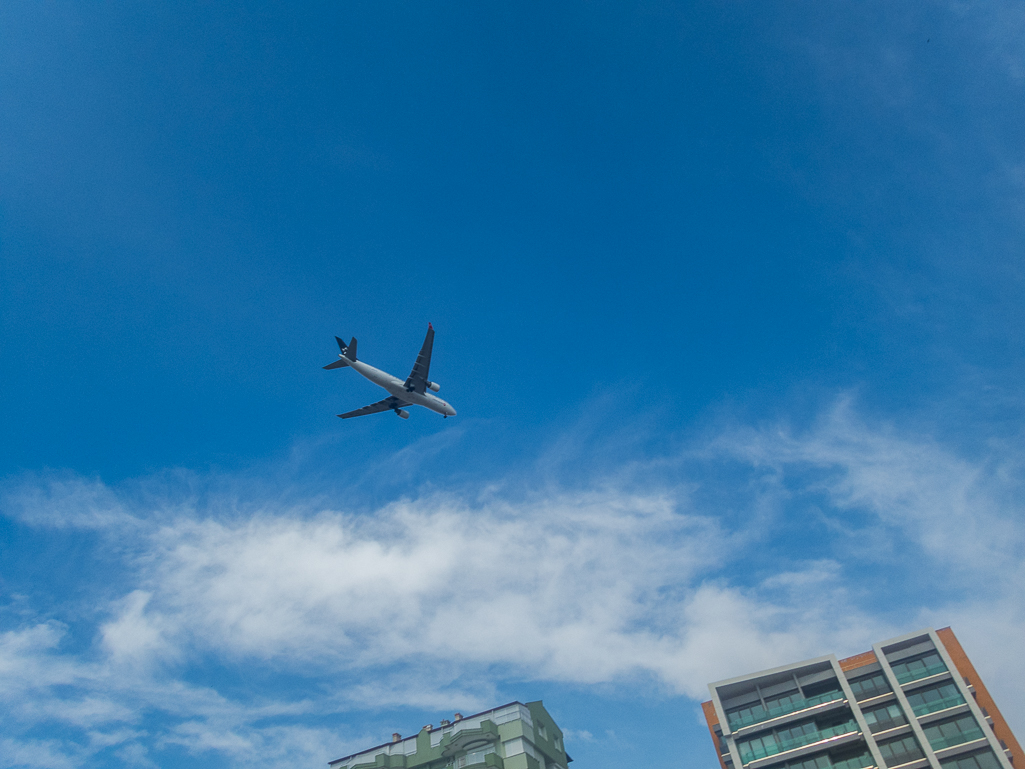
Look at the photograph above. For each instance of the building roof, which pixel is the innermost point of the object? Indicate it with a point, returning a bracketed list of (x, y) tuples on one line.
[(390, 743)]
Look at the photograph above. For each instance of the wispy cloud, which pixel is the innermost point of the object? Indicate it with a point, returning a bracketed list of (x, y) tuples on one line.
[(441, 599)]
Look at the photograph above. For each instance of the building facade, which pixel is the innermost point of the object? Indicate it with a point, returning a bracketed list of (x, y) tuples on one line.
[(915, 701), (513, 736)]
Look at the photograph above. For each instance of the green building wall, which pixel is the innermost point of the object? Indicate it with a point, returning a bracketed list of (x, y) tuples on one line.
[(543, 735)]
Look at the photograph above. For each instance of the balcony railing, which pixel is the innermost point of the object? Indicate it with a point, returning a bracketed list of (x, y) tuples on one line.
[(738, 720), (858, 762), (889, 723), (487, 758), (781, 746), (931, 707), (915, 673), (955, 739)]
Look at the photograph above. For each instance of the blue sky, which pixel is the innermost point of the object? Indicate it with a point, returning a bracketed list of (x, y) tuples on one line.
[(728, 297)]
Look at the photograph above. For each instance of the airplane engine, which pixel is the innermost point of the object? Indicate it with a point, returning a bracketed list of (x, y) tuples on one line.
[(433, 386), (402, 413)]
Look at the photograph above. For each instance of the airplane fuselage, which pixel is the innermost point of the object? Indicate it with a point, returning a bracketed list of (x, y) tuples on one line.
[(397, 387)]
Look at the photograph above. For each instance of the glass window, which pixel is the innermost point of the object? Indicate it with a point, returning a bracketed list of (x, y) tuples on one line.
[(758, 747), (953, 731), (782, 704), (858, 758), (920, 667), (855, 761), (983, 759), (818, 762), (782, 700), (870, 686), (750, 714), (885, 717), (900, 751), (796, 731), (821, 688), (794, 736), (934, 698)]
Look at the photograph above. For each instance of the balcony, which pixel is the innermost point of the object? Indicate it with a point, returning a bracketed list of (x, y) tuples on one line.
[(479, 758), (738, 721), (955, 739), (936, 705), (782, 746), (858, 762), (906, 676)]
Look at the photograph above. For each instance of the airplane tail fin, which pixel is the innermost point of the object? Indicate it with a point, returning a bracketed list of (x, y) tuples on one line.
[(348, 354), (348, 350)]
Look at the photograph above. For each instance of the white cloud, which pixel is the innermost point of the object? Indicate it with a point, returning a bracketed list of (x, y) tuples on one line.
[(433, 601), (68, 502), (957, 523), (48, 754), (959, 511), (586, 588), (133, 637)]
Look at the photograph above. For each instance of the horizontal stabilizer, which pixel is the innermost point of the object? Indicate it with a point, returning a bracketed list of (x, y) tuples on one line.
[(340, 363)]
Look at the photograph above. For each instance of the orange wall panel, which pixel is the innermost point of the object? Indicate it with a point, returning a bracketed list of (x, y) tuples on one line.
[(713, 720), (982, 696), (857, 661)]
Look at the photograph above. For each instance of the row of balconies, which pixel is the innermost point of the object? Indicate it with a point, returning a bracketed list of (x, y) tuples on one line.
[(928, 713), (746, 719)]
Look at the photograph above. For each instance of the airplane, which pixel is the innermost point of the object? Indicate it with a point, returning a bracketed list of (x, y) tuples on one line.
[(412, 392)]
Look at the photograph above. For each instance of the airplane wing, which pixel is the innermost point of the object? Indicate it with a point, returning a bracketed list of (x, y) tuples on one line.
[(388, 404), (417, 380)]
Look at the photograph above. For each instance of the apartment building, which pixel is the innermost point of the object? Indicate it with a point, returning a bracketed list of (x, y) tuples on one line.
[(912, 702), (513, 736)]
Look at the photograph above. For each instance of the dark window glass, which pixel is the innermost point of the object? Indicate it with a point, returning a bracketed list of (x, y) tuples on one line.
[(749, 714), (794, 736), (870, 686), (900, 751), (983, 759), (782, 700), (953, 731), (823, 687), (818, 762), (780, 705), (920, 667), (758, 747), (859, 759), (886, 717), (934, 698)]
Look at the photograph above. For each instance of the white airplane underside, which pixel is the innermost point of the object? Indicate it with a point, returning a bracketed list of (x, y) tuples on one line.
[(412, 392)]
